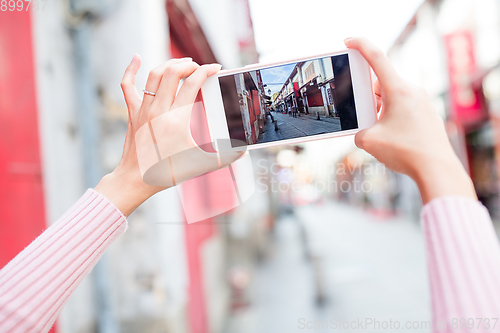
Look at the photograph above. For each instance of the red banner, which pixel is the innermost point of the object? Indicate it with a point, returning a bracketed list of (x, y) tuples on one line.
[(465, 103), (296, 89)]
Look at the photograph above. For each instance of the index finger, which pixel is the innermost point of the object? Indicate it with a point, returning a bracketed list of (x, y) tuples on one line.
[(377, 59), (132, 97)]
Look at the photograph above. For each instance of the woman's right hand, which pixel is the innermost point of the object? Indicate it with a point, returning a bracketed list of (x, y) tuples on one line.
[(410, 137)]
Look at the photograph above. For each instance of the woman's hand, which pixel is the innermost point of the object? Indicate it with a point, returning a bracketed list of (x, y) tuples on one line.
[(410, 137), (165, 118)]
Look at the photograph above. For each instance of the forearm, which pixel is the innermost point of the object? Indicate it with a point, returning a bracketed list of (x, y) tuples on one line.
[(37, 282)]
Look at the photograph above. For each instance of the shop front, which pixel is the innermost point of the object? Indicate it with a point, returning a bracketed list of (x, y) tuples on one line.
[(474, 119), (314, 97)]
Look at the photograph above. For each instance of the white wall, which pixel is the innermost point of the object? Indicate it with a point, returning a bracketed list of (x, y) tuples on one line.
[(421, 58), (63, 175), (327, 65), (147, 249)]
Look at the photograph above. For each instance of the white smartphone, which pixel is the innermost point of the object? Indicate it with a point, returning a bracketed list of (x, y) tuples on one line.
[(294, 101)]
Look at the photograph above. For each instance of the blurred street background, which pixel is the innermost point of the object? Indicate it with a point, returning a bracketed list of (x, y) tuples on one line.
[(329, 235)]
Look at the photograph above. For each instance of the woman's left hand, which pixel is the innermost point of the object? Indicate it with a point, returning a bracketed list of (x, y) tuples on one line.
[(158, 129)]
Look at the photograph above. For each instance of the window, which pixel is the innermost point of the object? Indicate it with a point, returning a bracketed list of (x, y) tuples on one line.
[(310, 72)]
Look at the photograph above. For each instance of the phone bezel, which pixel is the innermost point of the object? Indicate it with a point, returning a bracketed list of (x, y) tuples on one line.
[(364, 100)]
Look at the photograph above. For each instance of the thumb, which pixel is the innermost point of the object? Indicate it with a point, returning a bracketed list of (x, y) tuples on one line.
[(229, 151), (226, 158), (360, 139)]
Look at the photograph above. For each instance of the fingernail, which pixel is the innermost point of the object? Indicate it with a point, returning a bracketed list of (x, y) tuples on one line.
[(218, 66), (135, 55), (348, 39), (187, 59)]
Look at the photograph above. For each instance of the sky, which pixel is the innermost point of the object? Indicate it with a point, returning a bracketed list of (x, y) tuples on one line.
[(288, 29), (291, 28), (276, 75)]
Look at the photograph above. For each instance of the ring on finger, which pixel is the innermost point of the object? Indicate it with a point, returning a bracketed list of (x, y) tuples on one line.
[(147, 92)]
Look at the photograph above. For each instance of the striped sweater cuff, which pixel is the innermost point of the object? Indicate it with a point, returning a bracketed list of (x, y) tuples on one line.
[(37, 282), (463, 259)]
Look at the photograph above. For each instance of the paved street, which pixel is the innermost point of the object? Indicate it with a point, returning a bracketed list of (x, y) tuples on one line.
[(369, 268), (289, 127)]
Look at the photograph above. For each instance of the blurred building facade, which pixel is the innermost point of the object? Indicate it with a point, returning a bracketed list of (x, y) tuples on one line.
[(253, 110), (309, 88), (162, 275), (452, 49)]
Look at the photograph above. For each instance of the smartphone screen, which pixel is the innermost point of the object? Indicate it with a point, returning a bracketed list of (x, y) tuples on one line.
[(289, 101)]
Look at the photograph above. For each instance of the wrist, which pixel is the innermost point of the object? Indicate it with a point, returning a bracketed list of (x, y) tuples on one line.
[(443, 175), (124, 193)]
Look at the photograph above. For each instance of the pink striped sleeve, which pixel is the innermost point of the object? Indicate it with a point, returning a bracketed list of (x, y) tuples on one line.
[(463, 255), (37, 282)]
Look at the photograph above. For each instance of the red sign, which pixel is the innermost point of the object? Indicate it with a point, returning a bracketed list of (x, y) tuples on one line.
[(296, 89), (462, 66)]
